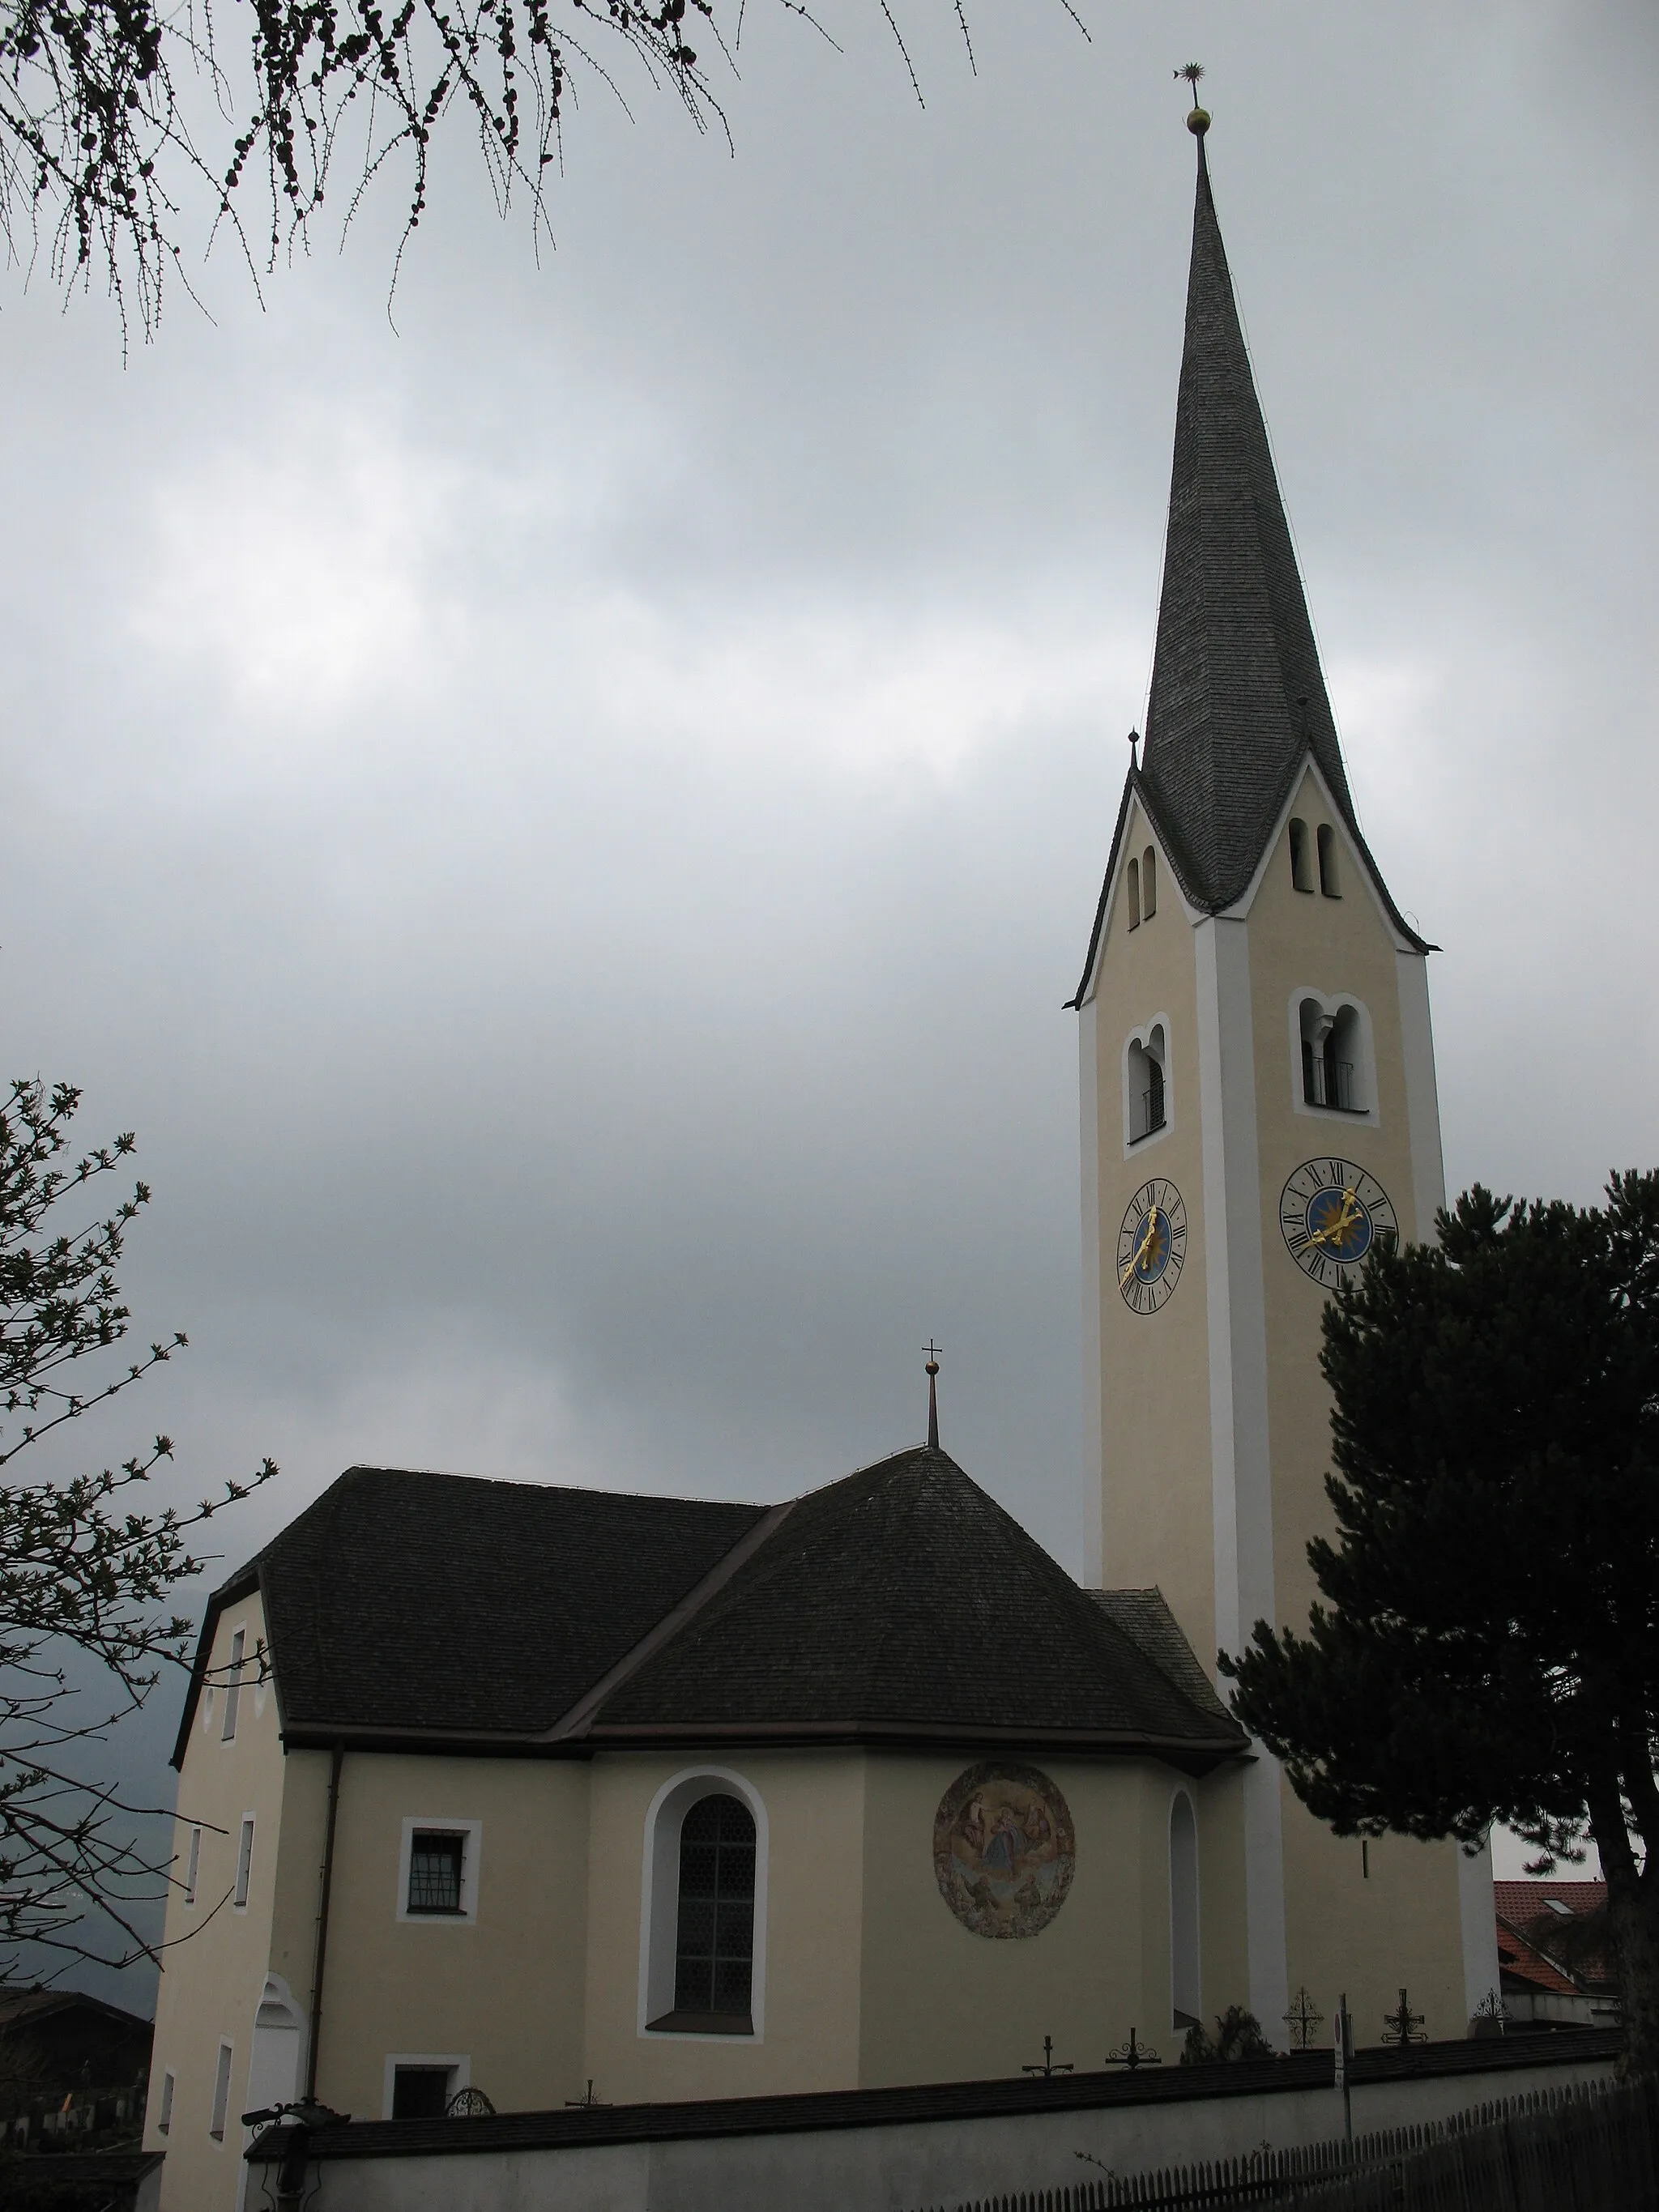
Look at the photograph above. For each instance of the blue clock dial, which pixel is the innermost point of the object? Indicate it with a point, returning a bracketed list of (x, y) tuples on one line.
[(1331, 1214), (1152, 1246)]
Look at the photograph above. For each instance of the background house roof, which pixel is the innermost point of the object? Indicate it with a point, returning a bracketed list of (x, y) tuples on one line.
[(900, 1602), (1553, 1936)]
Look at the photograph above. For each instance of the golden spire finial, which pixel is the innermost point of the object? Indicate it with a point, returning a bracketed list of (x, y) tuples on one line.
[(1199, 121)]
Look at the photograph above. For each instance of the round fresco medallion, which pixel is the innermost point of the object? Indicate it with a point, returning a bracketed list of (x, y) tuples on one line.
[(1004, 1850)]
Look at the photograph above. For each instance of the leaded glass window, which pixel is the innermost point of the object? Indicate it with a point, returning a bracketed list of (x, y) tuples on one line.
[(715, 1950)]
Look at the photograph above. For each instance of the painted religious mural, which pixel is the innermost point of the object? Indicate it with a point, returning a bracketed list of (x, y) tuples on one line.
[(1003, 1850)]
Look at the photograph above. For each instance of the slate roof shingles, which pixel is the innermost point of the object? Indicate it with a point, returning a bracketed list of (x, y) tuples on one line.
[(901, 1598)]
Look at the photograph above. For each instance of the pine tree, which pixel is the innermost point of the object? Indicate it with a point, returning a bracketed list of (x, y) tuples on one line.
[(1487, 1647)]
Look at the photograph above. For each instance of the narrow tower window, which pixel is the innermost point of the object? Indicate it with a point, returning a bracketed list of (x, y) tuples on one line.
[(193, 1866), (1148, 884), (1134, 894), (1301, 864), (244, 1865), (1327, 882), (1186, 1996)]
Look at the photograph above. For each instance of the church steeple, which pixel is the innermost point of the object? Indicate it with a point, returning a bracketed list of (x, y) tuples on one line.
[(1236, 687)]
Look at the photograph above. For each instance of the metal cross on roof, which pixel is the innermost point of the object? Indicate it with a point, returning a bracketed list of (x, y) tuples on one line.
[(932, 1351), (1304, 2020), (1049, 2065), (1132, 2054), (1404, 2026)]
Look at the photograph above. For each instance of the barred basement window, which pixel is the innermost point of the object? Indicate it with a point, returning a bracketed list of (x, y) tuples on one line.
[(434, 1871), (420, 2092), (715, 1939)]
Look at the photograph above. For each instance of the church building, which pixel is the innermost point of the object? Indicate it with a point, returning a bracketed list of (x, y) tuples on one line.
[(528, 1794)]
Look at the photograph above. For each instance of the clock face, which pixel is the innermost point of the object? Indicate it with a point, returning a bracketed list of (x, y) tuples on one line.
[(1152, 1246), (1332, 1214)]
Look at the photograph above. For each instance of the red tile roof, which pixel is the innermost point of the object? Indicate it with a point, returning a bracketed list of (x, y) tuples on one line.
[(1528, 1920)]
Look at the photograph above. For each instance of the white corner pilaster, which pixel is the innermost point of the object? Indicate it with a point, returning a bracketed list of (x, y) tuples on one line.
[(1422, 1092), (1241, 1462), (1094, 1443)]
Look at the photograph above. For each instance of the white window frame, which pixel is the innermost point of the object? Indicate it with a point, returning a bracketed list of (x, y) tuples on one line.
[(442, 1824), (164, 2110), (1133, 1146), (1332, 1003), (660, 1899), (219, 2111), (234, 1665), (245, 1837), (459, 2063)]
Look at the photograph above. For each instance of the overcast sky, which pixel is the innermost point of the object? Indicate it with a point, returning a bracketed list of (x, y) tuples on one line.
[(566, 825)]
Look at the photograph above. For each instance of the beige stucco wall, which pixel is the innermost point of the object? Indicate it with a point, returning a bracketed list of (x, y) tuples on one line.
[(814, 1806), (503, 1992), (215, 1963), (1342, 1930), (1402, 1923), (941, 2004), (1157, 1507)]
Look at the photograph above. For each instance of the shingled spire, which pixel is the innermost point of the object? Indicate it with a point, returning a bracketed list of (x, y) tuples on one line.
[(1236, 688)]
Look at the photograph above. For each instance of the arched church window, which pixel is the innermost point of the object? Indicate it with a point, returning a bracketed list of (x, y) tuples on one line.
[(1186, 1985), (1134, 894), (1333, 1060), (1148, 884), (1328, 877), (715, 1938), (1301, 861), (1147, 1099)]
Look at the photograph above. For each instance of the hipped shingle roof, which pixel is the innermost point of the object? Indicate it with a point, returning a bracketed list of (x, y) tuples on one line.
[(901, 1604)]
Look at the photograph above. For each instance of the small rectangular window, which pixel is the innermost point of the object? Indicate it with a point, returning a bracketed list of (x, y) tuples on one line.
[(221, 2094), (234, 1689), (420, 2092), (244, 1863), (435, 1862), (192, 1866), (164, 2117)]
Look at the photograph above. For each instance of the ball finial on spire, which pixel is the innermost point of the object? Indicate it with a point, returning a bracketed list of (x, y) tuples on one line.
[(1199, 121)]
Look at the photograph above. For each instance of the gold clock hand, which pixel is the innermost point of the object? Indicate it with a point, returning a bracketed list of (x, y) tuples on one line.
[(1147, 1235)]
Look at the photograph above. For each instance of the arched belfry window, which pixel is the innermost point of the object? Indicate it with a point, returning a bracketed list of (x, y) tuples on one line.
[(1301, 858), (1134, 894), (1147, 1101), (1328, 881), (1186, 1980), (1148, 884), (701, 1961), (1332, 1058)]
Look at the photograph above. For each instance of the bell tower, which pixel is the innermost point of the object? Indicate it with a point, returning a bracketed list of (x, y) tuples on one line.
[(1258, 1108)]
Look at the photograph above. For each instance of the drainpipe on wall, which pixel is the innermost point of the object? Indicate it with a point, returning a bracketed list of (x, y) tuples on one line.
[(337, 1761)]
